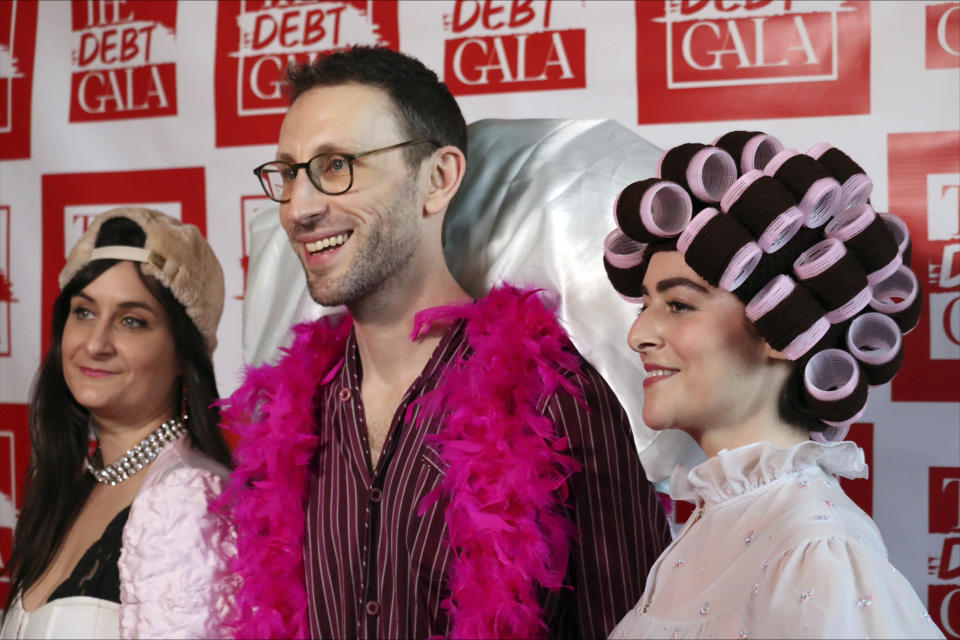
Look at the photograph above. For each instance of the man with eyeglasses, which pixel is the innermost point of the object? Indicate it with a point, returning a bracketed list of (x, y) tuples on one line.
[(431, 465)]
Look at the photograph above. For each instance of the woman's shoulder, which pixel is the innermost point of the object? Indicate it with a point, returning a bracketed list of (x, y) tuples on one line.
[(181, 462)]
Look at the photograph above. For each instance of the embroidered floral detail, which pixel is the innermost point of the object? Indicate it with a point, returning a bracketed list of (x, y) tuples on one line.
[(764, 567), (756, 588), (822, 516), (742, 634), (806, 595), (828, 503), (749, 537), (865, 602), (804, 483), (704, 609), (680, 562)]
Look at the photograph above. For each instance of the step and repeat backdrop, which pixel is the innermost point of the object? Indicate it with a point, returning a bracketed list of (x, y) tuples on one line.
[(171, 104)]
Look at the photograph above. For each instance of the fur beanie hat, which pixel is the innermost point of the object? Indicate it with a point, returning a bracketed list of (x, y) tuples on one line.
[(175, 254)]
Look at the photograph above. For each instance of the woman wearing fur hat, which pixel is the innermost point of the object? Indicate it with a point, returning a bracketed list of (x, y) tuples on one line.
[(765, 318), (115, 538)]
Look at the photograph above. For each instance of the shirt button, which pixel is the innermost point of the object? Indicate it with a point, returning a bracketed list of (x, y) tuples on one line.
[(344, 394), (376, 495), (372, 608)]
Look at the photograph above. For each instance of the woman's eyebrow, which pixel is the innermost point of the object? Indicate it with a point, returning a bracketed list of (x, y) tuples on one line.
[(670, 283)]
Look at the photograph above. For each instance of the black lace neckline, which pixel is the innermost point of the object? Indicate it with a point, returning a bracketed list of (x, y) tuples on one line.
[(97, 574)]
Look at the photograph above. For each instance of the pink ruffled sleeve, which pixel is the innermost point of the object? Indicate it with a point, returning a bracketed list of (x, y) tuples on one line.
[(174, 557)]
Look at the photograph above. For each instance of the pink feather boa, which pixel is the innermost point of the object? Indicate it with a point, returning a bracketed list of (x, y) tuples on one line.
[(273, 413), (506, 479)]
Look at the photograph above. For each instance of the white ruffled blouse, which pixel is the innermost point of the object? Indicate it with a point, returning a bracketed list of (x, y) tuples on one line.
[(172, 563), (776, 549)]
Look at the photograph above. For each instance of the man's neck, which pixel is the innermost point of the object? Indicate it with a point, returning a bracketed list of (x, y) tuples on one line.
[(383, 324)]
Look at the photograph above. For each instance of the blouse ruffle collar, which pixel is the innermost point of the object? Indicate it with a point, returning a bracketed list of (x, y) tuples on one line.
[(733, 473)]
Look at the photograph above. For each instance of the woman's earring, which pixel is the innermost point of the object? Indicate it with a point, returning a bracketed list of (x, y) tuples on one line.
[(184, 404)]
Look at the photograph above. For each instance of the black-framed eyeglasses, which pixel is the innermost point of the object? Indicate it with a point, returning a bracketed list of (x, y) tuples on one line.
[(331, 173)]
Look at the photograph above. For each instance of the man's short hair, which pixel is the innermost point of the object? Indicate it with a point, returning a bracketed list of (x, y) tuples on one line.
[(425, 106)]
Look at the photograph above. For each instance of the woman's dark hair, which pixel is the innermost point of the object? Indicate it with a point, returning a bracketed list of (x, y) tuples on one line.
[(56, 486), (792, 404)]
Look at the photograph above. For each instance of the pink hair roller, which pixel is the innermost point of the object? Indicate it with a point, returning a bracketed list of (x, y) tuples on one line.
[(834, 387), (834, 277), (819, 193), (788, 318), (716, 261), (899, 297), (874, 340), (707, 171), (856, 186)]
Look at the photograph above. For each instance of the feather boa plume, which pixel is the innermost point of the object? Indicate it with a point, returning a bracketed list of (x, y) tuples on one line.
[(506, 477), (273, 413), (506, 480)]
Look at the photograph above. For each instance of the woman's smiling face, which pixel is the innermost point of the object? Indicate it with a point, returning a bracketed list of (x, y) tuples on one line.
[(119, 353), (705, 362)]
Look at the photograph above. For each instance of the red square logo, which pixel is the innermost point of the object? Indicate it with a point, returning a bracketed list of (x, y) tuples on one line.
[(503, 47), (123, 60), (943, 35), (14, 457), (701, 60), (18, 34), (944, 500), (943, 603), (924, 188), (257, 39), (72, 200)]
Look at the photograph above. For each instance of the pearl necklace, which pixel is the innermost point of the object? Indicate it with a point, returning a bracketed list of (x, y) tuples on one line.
[(139, 457)]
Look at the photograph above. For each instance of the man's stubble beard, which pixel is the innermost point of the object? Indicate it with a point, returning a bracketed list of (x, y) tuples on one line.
[(383, 255)]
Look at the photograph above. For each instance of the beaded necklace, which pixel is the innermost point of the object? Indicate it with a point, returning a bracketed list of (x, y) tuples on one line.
[(139, 457)]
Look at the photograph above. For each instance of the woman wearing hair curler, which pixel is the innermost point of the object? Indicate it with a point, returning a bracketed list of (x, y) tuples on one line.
[(772, 299), (115, 538)]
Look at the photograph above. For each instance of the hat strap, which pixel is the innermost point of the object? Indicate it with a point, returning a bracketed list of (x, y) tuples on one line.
[(136, 254)]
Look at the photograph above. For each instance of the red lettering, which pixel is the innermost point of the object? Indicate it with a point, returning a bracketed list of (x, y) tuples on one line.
[(336, 23), (88, 55), (489, 10), (85, 219), (721, 6), (288, 25), (944, 499), (313, 29), (107, 44), (950, 568), (128, 45), (260, 39), (521, 13), (147, 32), (459, 24), (948, 314), (688, 7)]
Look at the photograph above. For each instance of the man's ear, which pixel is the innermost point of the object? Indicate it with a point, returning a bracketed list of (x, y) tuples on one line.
[(446, 168)]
